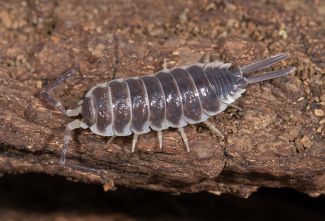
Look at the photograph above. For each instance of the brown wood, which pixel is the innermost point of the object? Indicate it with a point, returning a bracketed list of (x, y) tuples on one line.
[(276, 141)]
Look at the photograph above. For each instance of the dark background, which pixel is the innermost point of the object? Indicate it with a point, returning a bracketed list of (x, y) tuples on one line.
[(42, 197)]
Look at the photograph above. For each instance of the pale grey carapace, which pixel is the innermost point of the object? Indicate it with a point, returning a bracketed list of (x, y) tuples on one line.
[(169, 98)]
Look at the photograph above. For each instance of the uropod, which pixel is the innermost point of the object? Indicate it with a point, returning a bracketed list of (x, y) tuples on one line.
[(169, 98)]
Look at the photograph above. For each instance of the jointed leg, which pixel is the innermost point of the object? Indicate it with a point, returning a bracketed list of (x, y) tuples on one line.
[(181, 131), (185, 139), (206, 58), (213, 129), (45, 93), (68, 133), (110, 140), (134, 141), (236, 106), (160, 138), (67, 136), (165, 64), (73, 112)]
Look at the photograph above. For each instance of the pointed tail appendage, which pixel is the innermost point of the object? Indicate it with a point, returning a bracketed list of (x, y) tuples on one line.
[(260, 65)]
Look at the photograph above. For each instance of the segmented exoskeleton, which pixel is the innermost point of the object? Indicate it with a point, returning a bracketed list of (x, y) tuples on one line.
[(170, 98)]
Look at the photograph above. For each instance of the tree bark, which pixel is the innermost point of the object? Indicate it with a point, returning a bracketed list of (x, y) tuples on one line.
[(277, 140)]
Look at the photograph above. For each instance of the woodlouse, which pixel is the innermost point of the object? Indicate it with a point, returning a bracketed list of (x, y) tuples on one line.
[(170, 98)]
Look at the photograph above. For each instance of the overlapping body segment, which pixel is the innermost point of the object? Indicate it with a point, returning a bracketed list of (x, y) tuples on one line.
[(208, 98), (173, 99), (121, 107), (157, 103), (103, 114), (192, 109), (139, 106)]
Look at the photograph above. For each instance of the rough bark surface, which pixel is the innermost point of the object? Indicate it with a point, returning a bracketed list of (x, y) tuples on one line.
[(276, 141)]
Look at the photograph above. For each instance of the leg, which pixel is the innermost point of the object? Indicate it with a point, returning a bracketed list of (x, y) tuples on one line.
[(74, 112), (70, 127), (213, 129), (45, 93), (236, 107), (134, 141), (67, 136), (160, 138), (165, 65), (185, 139), (110, 140), (206, 58)]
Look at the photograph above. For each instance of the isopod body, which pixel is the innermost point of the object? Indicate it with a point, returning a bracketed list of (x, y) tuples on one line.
[(170, 98)]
